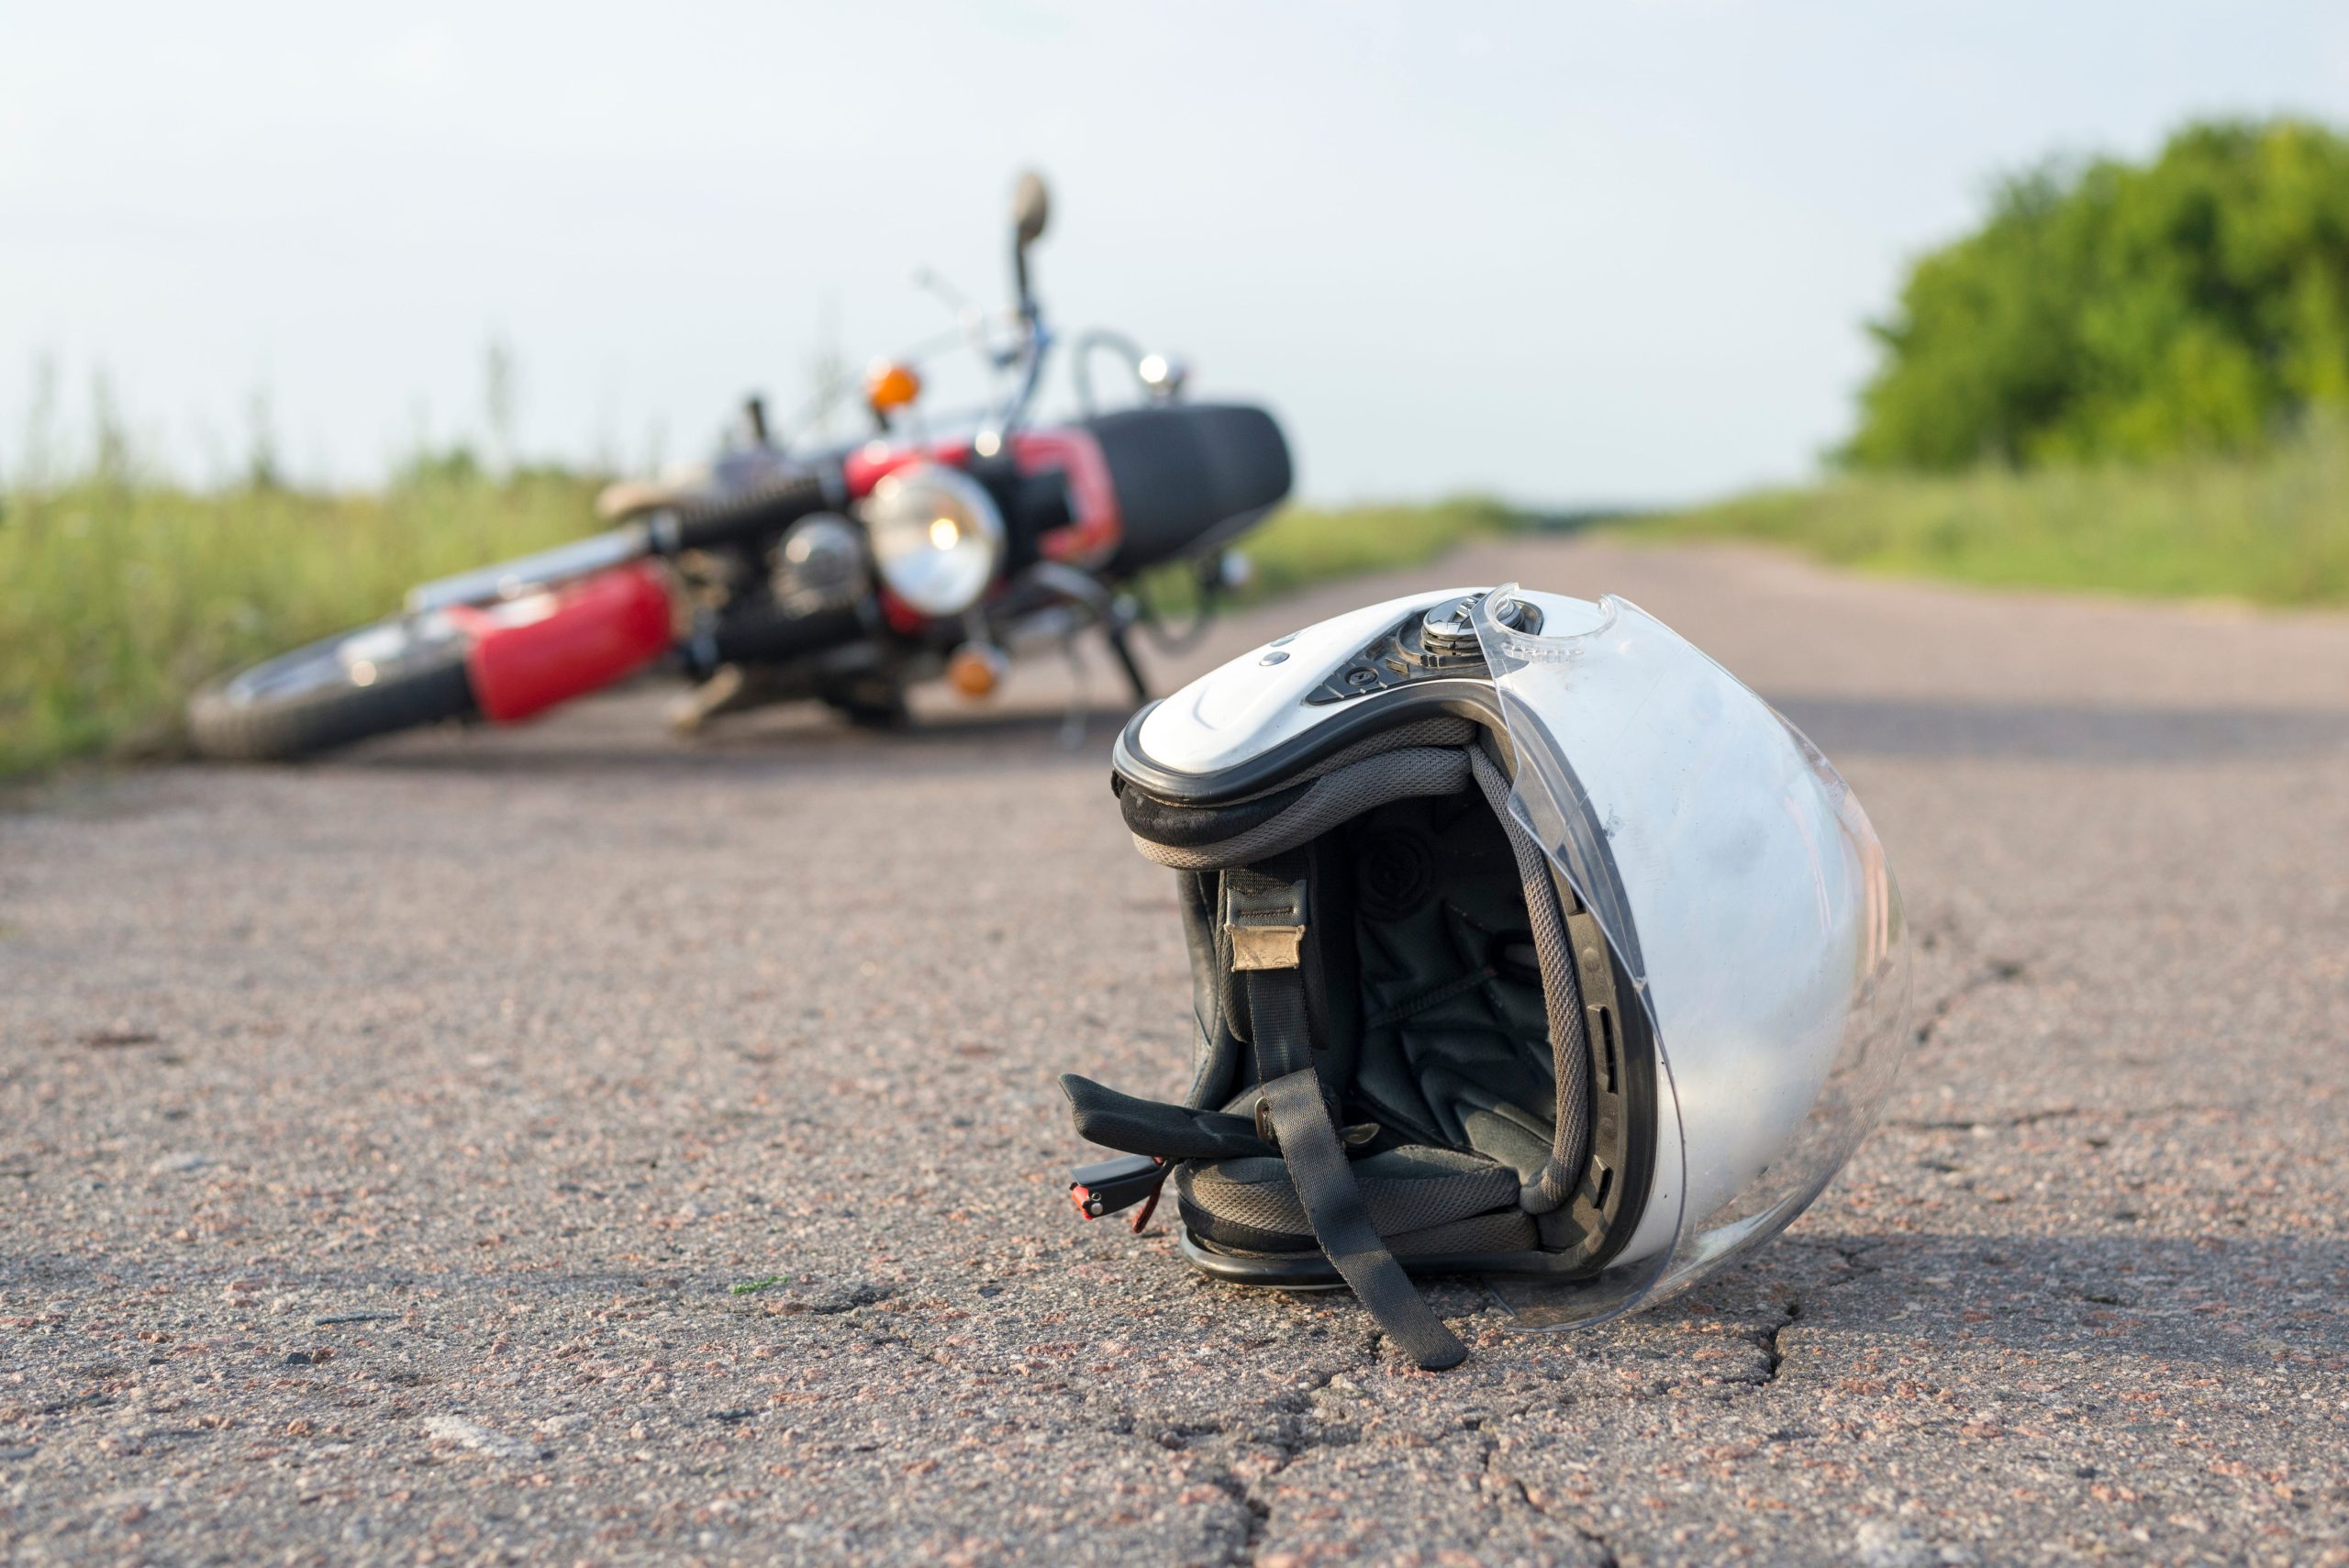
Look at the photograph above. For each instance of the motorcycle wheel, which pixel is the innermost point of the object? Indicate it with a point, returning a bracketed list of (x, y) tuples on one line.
[(394, 675)]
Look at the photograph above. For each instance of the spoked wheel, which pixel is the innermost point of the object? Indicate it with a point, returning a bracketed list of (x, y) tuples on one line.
[(394, 676)]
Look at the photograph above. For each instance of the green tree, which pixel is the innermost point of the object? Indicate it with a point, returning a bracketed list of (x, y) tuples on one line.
[(2106, 309)]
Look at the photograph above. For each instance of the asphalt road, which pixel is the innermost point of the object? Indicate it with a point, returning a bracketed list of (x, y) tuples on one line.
[(387, 1149)]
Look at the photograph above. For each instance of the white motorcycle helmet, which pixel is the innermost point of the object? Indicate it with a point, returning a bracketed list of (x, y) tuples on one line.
[(1527, 942)]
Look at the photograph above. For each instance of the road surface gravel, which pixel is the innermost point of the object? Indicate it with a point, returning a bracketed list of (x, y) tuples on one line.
[(577, 1145)]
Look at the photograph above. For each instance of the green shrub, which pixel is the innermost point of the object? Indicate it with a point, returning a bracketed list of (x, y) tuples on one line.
[(2199, 302)]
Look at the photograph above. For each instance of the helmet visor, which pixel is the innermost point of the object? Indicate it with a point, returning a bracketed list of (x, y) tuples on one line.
[(1746, 897)]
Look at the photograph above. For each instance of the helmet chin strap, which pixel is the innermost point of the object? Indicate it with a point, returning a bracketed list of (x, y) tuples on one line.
[(1257, 850), (1325, 1183), (1264, 918)]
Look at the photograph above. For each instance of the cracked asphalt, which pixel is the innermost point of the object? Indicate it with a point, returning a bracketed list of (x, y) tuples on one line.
[(574, 1145)]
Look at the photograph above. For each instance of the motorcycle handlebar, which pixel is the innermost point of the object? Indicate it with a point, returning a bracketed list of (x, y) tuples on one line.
[(777, 503)]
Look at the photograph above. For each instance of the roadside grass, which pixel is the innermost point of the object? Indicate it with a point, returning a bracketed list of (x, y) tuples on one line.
[(2272, 528), (116, 600), (119, 599), (1302, 545)]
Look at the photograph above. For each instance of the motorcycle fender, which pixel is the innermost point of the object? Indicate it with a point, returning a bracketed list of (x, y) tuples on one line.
[(530, 654)]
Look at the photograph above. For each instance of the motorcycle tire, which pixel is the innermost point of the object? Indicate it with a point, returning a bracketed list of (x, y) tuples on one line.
[(317, 698)]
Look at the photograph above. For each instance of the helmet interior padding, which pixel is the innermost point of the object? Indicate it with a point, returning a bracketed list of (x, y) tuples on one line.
[(1427, 987)]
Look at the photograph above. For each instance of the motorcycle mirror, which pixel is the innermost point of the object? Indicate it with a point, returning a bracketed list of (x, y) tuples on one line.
[(1031, 205)]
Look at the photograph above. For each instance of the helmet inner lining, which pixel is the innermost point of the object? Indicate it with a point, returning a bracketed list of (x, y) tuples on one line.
[(1439, 990)]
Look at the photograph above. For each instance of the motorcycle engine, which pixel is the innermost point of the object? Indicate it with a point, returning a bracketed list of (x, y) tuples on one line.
[(820, 566)]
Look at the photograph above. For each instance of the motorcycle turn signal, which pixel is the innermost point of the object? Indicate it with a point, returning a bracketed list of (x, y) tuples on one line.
[(975, 669)]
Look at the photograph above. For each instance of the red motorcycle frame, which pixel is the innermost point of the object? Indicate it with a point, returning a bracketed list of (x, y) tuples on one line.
[(780, 576)]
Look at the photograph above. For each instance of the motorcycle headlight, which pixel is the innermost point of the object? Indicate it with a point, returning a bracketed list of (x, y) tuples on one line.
[(936, 538)]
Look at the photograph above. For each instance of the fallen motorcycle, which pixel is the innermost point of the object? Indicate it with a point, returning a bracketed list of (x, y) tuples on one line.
[(844, 576)]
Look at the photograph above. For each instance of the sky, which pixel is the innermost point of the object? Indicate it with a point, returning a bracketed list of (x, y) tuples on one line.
[(1568, 253)]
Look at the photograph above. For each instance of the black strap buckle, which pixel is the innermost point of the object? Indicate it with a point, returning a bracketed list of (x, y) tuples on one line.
[(1353, 1135), (1266, 920)]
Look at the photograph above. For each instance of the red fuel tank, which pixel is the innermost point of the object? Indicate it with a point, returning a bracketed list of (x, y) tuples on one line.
[(535, 652)]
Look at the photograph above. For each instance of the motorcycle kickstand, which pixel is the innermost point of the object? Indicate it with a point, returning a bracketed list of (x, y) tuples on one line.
[(1114, 633), (1073, 721), (719, 693)]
